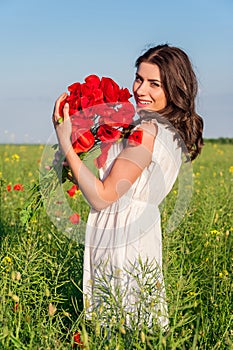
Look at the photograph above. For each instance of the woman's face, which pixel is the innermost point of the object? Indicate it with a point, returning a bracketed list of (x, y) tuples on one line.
[(147, 88)]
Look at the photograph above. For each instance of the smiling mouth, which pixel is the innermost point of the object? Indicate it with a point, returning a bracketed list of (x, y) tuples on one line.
[(143, 103)]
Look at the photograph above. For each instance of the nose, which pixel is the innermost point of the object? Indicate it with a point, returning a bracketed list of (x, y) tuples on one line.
[(141, 89)]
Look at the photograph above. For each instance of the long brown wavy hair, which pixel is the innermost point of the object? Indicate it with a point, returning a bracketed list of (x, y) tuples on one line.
[(180, 87)]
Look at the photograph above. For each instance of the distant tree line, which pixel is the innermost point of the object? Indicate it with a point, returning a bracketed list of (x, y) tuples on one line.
[(220, 140)]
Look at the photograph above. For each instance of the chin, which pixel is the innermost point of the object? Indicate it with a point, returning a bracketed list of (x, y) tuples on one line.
[(146, 108), (143, 108)]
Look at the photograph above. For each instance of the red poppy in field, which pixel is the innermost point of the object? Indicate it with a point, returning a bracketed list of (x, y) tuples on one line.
[(71, 192), (77, 340), (18, 187), (74, 218), (15, 307), (8, 187)]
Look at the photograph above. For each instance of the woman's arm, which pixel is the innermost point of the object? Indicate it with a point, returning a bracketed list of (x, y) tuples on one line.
[(127, 167)]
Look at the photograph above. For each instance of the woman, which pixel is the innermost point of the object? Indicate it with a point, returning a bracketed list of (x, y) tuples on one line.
[(123, 248)]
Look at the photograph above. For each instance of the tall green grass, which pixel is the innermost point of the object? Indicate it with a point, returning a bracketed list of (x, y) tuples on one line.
[(41, 303)]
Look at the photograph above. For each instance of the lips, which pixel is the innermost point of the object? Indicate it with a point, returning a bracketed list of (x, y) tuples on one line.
[(143, 103)]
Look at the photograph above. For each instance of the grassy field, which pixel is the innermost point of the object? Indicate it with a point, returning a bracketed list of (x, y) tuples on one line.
[(41, 268)]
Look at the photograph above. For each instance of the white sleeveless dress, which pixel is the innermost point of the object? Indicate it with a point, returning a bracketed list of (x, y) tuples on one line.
[(123, 243)]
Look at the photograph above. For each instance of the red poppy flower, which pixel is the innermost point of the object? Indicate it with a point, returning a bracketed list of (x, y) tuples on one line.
[(135, 138), (18, 187), (92, 99), (110, 89), (124, 95), (82, 120), (8, 187), (93, 81), (74, 218), (77, 340), (71, 192), (83, 140), (106, 133), (91, 91), (75, 89), (123, 116), (15, 307)]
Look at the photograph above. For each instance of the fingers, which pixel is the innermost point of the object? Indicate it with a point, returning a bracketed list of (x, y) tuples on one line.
[(58, 101), (66, 111), (56, 115)]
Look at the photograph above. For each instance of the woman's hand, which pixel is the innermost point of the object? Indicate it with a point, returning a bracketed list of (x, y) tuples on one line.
[(62, 126)]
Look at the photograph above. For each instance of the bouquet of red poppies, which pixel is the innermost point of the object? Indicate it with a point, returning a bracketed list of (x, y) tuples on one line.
[(101, 114)]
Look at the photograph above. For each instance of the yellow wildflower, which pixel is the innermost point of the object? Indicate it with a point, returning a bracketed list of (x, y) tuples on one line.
[(215, 232), (15, 298), (7, 260), (15, 157), (231, 169), (223, 274), (122, 330)]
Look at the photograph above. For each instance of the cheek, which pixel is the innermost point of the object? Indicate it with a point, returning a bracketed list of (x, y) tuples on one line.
[(162, 99), (134, 87)]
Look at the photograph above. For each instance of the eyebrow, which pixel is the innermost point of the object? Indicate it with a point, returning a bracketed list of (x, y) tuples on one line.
[(150, 80)]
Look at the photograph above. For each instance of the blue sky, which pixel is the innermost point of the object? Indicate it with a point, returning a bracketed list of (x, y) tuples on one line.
[(47, 45)]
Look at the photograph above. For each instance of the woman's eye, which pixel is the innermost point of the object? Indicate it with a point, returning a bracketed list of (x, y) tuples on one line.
[(154, 84), (138, 78)]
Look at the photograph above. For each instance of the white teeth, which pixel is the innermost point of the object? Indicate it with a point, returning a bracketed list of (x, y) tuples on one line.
[(144, 103)]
